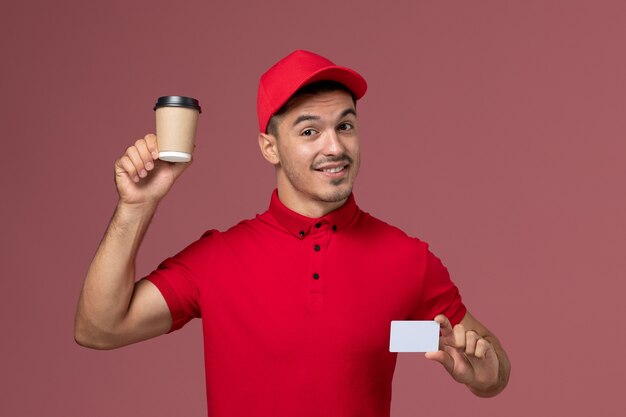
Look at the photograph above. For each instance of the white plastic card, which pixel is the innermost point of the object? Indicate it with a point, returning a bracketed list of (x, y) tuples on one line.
[(414, 336)]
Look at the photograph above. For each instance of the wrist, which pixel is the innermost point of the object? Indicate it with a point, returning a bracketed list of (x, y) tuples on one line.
[(131, 215), (136, 209)]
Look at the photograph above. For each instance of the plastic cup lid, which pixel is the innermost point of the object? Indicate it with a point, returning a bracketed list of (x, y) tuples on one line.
[(178, 101), (174, 156)]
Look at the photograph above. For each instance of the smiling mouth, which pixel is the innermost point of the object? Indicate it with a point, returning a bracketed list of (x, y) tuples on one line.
[(332, 170)]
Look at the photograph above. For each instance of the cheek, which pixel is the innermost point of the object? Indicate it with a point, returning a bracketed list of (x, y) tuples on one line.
[(295, 156), (302, 155), (353, 150)]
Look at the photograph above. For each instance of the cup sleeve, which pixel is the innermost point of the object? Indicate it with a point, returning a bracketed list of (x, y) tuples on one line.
[(439, 295), (179, 279)]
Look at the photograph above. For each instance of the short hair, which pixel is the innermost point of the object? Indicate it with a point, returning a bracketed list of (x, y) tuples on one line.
[(324, 86)]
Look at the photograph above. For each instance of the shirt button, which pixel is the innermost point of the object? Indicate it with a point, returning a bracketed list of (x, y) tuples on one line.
[(334, 228), (318, 225), (317, 248), (301, 233), (316, 276)]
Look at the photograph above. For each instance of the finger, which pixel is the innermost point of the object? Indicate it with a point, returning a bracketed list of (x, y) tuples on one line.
[(443, 358), (471, 337), (444, 324), (144, 154), (133, 153), (482, 347), (459, 336), (153, 147), (127, 166)]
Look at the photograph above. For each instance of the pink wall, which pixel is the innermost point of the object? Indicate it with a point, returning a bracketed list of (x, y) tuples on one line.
[(493, 130)]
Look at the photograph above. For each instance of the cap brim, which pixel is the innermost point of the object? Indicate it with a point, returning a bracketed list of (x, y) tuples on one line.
[(350, 78)]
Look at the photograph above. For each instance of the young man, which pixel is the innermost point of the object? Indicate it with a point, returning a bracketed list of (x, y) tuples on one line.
[(297, 302)]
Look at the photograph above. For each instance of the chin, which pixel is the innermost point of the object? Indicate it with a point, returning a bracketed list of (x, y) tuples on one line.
[(336, 195)]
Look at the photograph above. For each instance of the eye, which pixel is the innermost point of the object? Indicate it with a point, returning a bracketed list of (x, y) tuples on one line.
[(345, 126), (308, 132)]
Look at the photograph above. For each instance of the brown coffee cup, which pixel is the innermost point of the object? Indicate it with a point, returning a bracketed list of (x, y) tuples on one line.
[(176, 122)]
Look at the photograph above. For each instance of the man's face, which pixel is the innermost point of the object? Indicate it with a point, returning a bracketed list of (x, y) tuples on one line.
[(318, 149)]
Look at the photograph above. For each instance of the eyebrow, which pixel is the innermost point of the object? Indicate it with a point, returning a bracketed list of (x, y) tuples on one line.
[(347, 112), (306, 117)]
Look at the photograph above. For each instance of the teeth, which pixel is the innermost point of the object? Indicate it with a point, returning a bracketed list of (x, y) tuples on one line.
[(334, 170)]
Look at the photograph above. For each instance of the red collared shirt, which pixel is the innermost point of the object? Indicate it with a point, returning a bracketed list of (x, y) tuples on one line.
[(297, 311)]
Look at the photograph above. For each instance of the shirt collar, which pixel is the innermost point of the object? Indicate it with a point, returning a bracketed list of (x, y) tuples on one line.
[(300, 225)]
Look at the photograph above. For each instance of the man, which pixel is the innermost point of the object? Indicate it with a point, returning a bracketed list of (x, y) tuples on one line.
[(297, 302)]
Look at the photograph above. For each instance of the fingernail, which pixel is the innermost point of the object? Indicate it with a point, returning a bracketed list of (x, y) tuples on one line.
[(155, 155), (136, 178), (143, 173), (149, 166)]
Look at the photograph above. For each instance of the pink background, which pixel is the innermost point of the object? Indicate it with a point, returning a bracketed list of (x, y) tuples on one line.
[(494, 130)]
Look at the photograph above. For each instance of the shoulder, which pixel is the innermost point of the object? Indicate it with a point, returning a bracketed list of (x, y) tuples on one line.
[(247, 230), (381, 227), (389, 234), (243, 227), (214, 244), (198, 248)]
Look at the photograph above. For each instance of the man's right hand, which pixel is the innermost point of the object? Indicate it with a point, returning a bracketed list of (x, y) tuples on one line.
[(141, 178)]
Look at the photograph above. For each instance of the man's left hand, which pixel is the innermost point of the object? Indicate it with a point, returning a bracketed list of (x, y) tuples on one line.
[(467, 356)]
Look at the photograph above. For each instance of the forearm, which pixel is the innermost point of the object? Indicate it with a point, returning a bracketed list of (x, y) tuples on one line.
[(110, 280)]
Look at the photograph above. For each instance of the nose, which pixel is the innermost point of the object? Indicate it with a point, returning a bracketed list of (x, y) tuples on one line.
[(332, 145)]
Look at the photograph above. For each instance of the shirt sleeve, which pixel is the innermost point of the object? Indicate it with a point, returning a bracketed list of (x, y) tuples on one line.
[(439, 294), (178, 279)]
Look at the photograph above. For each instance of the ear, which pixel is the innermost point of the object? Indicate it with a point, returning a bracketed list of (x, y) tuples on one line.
[(268, 146)]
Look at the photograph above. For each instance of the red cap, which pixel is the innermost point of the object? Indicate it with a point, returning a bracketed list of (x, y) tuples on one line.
[(294, 71)]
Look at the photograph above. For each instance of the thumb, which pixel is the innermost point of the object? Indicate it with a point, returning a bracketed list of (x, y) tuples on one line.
[(443, 358)]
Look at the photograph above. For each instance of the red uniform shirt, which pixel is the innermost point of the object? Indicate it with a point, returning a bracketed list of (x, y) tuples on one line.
[(297, 311)]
